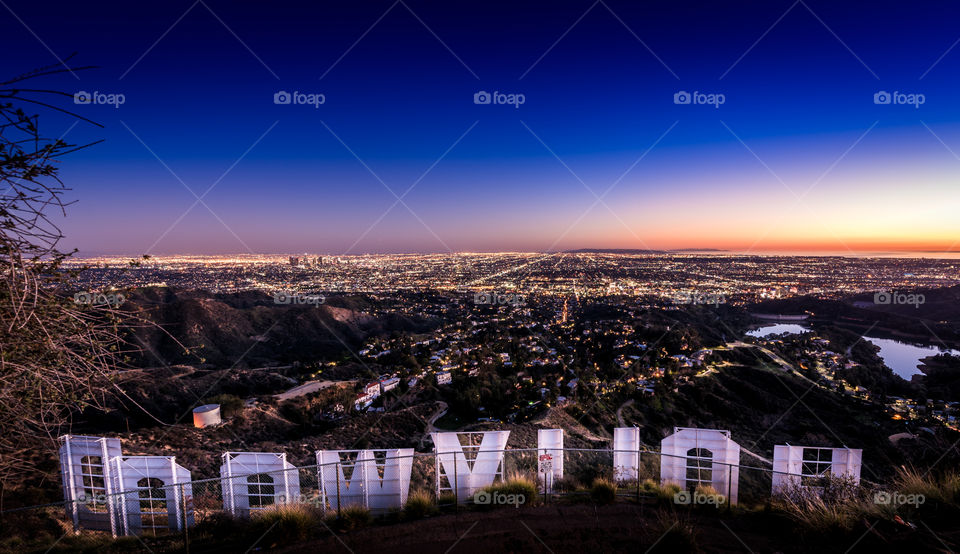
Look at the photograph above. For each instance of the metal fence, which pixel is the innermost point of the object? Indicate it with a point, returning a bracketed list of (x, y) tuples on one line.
[(153, 507)]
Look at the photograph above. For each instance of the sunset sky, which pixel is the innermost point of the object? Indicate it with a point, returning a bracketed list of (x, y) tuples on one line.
[(798, 157)]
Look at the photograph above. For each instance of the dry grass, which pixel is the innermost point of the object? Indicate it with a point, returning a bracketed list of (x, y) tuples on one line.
[(943, 489), (288, 523), (352, 518), (603, 491), (520, 488), (418, 506), (835, 504), (816, 514), (667, 492)]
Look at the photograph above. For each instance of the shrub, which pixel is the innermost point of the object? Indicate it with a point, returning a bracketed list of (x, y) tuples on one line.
[(603, 491), (419, 505), (447, 499), (821, 517), (230, 404), (710, 492), (287, 523), (352, 518), (821, 510), (649, 486), (668, 492), (518, 485), (943, 489), (522, 489), (218, 524)]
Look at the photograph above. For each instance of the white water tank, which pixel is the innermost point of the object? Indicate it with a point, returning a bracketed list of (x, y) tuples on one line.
[(206, 415)]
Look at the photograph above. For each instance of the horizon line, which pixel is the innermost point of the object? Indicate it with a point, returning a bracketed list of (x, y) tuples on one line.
[(79, 255)]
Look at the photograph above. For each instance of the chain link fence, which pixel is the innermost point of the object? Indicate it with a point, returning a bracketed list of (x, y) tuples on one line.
[(381, 485)]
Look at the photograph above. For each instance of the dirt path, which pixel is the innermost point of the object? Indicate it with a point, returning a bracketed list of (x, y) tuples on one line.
[(556, 418), (757, 456), (620, 412)]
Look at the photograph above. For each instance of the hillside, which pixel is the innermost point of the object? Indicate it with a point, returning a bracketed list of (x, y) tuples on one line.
[(935, 321), (248, 329)]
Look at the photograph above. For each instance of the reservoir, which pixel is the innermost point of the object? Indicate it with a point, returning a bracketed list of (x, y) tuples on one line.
[(777, 329), (903, 358)]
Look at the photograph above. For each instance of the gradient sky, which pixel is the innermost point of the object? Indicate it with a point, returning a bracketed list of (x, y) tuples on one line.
[(797, 158)]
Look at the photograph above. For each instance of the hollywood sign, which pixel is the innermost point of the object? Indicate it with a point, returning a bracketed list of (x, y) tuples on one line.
[(125, 495)]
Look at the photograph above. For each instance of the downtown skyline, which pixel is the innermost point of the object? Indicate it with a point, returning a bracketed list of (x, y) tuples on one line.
[(799, 157)]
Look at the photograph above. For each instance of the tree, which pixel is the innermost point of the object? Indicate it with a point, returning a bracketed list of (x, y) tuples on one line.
[(57, 356)]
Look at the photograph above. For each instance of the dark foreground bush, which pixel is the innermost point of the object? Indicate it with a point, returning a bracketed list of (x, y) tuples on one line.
[(603, 491)]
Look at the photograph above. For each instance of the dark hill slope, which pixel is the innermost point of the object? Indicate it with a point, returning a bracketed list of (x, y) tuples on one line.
[(248, 329)]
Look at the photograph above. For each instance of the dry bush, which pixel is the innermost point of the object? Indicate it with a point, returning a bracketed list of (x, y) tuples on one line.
[(833, 504), (57, 356)]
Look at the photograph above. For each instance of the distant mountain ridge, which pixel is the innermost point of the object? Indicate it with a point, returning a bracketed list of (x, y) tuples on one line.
[(638, 251)]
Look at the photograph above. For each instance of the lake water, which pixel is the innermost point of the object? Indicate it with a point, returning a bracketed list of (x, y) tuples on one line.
[(776, 329), (903, 358)]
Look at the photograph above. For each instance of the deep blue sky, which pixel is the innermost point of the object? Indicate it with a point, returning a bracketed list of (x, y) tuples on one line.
[(399, 98)]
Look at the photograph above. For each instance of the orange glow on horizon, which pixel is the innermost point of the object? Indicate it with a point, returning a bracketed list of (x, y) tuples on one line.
[(779, 244)]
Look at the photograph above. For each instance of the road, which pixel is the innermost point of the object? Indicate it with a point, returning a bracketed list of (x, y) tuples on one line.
[(441, 411), (307, 388), (784, 365)]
